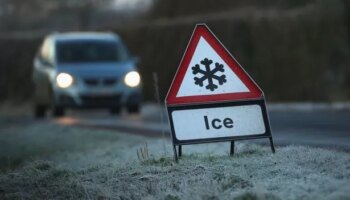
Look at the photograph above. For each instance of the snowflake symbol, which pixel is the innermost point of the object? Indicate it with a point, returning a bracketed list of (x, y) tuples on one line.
[(209, 74)]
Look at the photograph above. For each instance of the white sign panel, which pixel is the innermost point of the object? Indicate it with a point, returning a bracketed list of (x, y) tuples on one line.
[(219, 122)]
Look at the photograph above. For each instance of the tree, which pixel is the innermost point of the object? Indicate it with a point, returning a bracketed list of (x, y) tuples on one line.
[(19, 14)]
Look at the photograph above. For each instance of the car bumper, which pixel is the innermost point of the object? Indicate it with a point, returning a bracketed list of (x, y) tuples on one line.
[(98, 98)]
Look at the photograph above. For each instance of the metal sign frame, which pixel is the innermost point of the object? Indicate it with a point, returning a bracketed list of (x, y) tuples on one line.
[(229, 101)]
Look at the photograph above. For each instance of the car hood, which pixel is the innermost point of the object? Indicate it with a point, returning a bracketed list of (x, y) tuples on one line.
[(83, 70)]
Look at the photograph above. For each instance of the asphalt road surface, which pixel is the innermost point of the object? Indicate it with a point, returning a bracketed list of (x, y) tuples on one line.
[(316, 126)]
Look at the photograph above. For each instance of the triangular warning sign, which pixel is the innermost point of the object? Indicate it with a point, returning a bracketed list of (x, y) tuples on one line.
[(209, 73)]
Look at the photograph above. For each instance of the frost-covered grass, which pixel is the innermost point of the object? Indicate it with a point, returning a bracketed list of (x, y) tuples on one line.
[(57, 162)]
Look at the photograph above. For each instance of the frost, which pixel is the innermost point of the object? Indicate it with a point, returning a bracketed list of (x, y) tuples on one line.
[(76, 163)]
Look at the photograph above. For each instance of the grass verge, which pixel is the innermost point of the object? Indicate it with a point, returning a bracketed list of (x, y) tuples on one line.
[(73, 163)]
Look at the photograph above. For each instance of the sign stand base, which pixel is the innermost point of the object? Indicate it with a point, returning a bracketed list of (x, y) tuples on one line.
[(232, 148), (272, 145), (180, 150), (178, 155), (175, 153)]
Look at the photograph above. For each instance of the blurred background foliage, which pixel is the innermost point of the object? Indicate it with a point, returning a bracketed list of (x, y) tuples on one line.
[(296, 50)]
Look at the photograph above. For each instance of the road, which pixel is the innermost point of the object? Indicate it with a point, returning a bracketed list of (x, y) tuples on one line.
[(323, 127)]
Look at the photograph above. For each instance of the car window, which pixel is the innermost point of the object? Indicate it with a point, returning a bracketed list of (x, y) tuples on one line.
[(90, 51)]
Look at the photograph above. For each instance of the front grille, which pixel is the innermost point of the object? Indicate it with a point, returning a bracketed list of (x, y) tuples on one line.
[(91, 82), (109, 81), (100, 81), (100, 100)]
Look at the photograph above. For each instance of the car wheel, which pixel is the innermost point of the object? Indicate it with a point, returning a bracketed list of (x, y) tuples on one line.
[(39, 111), (115, 110), (58, 111), (133, 108)]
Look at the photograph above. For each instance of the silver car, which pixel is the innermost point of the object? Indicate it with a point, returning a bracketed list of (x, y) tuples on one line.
[(85, 70)]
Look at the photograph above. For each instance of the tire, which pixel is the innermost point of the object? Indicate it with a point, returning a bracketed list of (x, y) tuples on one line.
[(39, 111), (115, 110), (133, 108), (58, 111)]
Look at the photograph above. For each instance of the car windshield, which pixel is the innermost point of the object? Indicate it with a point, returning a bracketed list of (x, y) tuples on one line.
[(90, 51)]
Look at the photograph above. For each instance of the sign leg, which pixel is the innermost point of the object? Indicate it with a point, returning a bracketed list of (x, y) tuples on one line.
[(232, 148), (175, 153), (180, 150), (272, 145)]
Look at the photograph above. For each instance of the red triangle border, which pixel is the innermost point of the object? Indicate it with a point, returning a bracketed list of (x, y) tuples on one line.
[(201, 30)]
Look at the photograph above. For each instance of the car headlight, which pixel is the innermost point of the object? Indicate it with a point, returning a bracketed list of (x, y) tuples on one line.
[(64, 80), (132, 79)]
